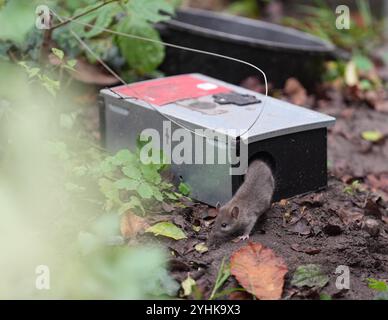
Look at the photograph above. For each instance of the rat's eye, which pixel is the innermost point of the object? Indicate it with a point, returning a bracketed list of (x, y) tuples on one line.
[(224, 225)]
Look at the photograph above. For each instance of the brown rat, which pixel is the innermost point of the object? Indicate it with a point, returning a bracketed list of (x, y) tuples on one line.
[(253, 198)]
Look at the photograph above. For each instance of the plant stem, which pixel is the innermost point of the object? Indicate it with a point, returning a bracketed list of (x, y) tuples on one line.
[(82, 14)]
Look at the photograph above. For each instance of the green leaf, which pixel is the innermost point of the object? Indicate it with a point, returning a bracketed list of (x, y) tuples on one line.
[(17, 19), (145, 191), (171, 195), (127, 184), (157, 194), (151, 10), (184, 189), (363, 63), (58, 53), (187, 286), (366, 85), (151, 174), (107, 166), (100, 19), (72, 63), (132, 172), (167, 229), (372, 136), (124, 157), (142, 56), (377, 285), (309, 275), (222, 275), (325, 296)]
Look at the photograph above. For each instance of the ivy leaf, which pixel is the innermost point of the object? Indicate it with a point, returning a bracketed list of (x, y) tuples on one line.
[(107, 166), (141, 55), (151, 174), (145, 190), (151, 10), (58, 53), (184, 189), (127, 184), (132, 172), (157, 194), (167, 229), (123, 157), (309, 275)]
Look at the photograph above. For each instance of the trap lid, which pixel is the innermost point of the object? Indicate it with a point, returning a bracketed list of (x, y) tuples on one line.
[(200, 102)]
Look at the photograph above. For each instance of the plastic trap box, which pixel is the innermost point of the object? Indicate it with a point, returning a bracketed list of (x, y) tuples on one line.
[(292, 139)]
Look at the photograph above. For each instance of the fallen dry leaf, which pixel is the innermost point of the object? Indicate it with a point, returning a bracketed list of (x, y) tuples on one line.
[(131, 225), (301, 227), (240, 295), (311, 251), (382, 106), (283, 202), (259, 271), (372, 207), (349, 216)]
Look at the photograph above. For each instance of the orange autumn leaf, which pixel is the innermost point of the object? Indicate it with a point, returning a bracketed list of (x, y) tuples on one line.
[(259, 271), (131, 225)]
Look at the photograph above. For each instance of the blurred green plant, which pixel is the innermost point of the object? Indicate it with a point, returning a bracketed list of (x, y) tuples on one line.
[(380, 286), (57, 183), (246, 8), (52, 206), (363, 36), (365, 31)]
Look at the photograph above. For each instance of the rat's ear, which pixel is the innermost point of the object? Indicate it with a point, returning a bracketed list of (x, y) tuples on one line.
[(218, 206), (235, 212)]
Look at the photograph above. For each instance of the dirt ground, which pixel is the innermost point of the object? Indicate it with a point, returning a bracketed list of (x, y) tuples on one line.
[(321, 228), (329, 228)]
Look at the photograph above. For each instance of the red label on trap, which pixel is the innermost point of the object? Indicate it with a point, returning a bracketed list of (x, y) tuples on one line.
[(167, 90)]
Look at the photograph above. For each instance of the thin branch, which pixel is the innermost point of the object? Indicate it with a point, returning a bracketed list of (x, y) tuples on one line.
[(82, 14)]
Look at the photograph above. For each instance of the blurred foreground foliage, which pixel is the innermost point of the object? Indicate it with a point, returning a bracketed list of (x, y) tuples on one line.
[(60, 193)]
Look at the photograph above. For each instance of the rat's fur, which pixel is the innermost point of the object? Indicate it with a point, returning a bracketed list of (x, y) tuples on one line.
[(253, 198)]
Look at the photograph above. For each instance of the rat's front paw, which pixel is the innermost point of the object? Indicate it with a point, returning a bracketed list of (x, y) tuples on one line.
[(244, 237), (241, 238)]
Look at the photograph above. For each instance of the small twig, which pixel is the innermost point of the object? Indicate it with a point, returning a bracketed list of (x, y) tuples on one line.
[(61, 24)]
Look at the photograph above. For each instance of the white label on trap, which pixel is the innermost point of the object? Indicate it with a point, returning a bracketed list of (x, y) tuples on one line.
[(207, 86)]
